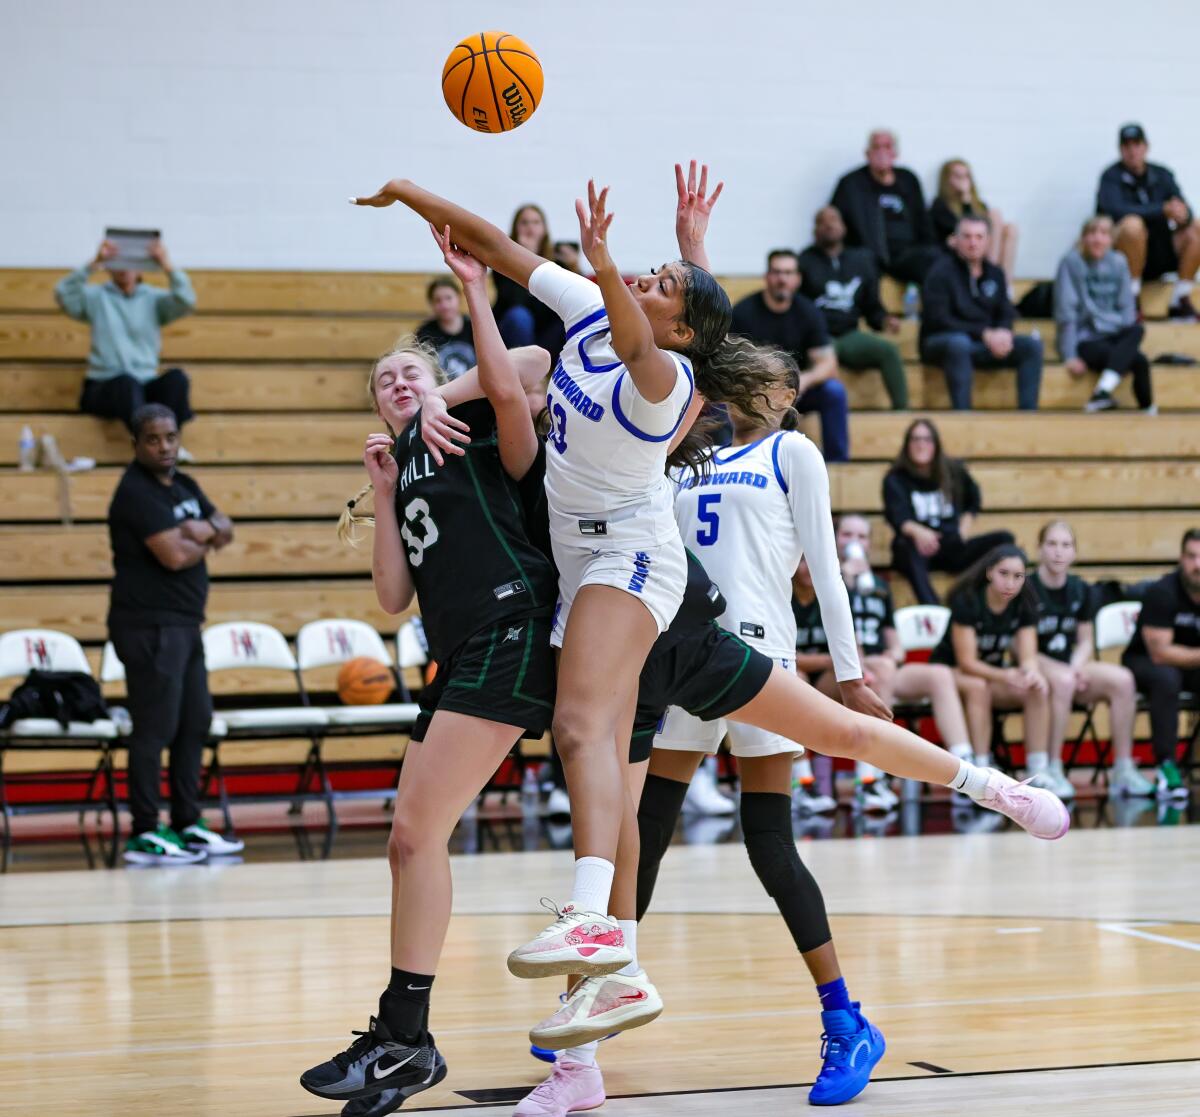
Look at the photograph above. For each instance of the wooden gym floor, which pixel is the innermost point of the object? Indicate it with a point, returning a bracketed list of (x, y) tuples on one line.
[(1009, 976)]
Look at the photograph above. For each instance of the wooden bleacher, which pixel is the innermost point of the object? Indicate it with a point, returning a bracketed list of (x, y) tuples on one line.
[(279, 363)]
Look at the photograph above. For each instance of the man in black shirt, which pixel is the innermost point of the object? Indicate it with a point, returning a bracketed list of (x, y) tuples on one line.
[(780, 315), (967, 317), (161, 527), (449, 330), (1156, 229), (1164, 655), (844, 285), (884, 210)]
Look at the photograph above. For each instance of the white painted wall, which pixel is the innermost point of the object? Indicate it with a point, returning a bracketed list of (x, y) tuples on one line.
[(240, 126)]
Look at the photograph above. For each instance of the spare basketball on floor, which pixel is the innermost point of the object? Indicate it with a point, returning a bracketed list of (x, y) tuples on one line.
[(492, 82), (364, 682)]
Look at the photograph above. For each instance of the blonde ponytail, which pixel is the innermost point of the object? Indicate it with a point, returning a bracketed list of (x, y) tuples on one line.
[(349, 521)]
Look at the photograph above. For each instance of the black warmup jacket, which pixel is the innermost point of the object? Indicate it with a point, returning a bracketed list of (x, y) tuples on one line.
[(845, 287), (858, 202), (954, 301)]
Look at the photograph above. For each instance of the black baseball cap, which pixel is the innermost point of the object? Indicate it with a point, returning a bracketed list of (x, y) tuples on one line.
[(1132, 133)]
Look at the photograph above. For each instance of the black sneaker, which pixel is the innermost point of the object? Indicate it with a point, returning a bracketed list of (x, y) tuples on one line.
[(1100, 401), (373, 1063), (390, 1100), (1182, 310)]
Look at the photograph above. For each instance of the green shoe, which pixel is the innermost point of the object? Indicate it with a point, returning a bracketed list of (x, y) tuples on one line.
[(1169, 780), (161, 846)]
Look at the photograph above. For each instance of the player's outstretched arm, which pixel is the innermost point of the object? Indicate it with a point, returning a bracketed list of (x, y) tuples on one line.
[(516, 438), (653, 372), (693, 207), (483, 240)]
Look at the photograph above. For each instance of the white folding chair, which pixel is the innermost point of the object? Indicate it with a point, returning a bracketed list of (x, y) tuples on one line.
[(22, 650), (112, 670), (412, 650), (921, 627), (1115, 624)]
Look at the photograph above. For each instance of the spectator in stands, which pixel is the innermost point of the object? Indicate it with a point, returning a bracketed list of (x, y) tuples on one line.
[(884, 210), (883, 657), (126, 319), (449, 330), (162, 527), (524, 319), (957, 197), (1156, 229), (1164, 655), (1097, 318), (931, 500), (992, 636), (967, 319), (566, 255), (1065, 651), (844, 285), (780, 315)]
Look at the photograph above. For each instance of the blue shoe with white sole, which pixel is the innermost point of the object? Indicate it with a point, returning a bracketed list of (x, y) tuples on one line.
[(850, 1047)]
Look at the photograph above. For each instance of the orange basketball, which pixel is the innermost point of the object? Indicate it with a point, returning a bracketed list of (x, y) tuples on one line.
[(364, 682), (492, 82)]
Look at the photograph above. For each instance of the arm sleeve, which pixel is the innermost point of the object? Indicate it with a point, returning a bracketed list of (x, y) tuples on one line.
[(801, 470), (1066, 311), (71, 294), (572, 297), (178, 301), (897, 501)]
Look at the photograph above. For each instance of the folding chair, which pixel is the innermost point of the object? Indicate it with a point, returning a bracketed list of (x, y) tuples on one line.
[(20, 651), (112, 670), (250, 645), (920, 628)]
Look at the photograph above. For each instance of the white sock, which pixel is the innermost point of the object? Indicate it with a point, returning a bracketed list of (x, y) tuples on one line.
[(1056, 767), (1182, 291), (1109, 379), (629, 929), (1123, 764), (802, 770), (1036, 762), (984, 760), (970, 780), (865, 772), (963, 752), (1136, 284), (593, 884), (585, 1054)]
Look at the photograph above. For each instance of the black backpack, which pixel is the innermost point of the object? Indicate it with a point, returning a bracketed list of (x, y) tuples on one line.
[(65, 696)]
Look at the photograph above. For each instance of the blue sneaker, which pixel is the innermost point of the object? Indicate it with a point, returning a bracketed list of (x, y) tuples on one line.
[(850, 1047)]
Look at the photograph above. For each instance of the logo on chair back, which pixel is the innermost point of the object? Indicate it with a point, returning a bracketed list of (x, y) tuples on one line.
[(245, 644), (340, 643), (39, 654), (927, 627)]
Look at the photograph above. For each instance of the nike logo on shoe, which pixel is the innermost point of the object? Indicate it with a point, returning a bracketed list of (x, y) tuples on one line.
[(392, 1070), (640, 995)]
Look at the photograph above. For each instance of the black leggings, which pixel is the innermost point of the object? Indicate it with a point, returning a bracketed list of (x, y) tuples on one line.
[(955, 555), (1121, 352), (1161, 684), (120, 396)]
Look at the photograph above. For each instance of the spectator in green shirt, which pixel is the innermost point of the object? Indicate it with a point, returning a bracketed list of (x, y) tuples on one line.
[(126, 318)]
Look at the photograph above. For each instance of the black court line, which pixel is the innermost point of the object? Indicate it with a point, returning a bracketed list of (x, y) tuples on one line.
[(932, 1068)]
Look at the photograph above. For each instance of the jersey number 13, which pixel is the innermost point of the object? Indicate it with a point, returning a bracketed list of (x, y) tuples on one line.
[(419, 530)]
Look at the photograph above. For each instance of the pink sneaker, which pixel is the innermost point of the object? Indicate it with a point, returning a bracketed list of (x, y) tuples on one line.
[(571, 1088), (1034, 809), (577, 942), (598, 1007)]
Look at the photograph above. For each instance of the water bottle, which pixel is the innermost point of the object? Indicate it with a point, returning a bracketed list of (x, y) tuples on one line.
[(912, 302), (865, 582), (530, 791), (26, 450)]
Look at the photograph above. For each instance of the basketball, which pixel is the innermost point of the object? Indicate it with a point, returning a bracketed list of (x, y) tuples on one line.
[(364, 682), (492, 82)]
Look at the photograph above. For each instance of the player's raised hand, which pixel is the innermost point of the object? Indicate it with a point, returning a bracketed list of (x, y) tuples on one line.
[(384, 196), (458, 260), (594, 220), (693, 207), (381, 466), (440, 431)]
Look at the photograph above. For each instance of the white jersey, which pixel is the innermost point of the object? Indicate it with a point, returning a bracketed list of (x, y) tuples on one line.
[(749, 520), (607, 447)]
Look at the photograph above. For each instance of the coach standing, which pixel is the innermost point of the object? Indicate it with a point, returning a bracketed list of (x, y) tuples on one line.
[(162, 527)]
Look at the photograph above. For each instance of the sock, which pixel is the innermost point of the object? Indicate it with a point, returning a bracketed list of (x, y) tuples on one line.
[(1036, 762), (404, 1006), (1056, 766), (970, 780), (802, 771), (1123, 764), (963, 751), (1109, 379), (1182, 291), (1136, 284), (593, 884), (984, 760), (586, 1054), (629, 929), (864, 773), (834, 995)]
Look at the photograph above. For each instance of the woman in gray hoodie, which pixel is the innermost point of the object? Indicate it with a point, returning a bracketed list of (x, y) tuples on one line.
[(1097, 318)]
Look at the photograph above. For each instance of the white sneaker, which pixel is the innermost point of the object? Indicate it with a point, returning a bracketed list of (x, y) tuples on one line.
[(577, 942), (703, 797), (558, 803), (1125, 780), (867, 797), (597, 1007), (198, 837), (884, 789), (806, 799)]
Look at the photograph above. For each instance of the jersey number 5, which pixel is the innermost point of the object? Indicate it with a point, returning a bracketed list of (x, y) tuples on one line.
[(419, 530), (558, 425), (707, 515)]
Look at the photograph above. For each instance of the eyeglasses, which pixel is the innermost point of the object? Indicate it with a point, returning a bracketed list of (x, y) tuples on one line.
[(920, 438)]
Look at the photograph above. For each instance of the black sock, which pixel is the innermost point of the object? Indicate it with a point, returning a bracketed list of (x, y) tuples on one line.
[(404, 1006), (662, 802)]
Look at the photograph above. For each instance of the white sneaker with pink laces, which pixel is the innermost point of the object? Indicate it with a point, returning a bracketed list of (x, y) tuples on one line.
[(597, 1007), (1034, 809), (577, 942), (571, 1088)]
